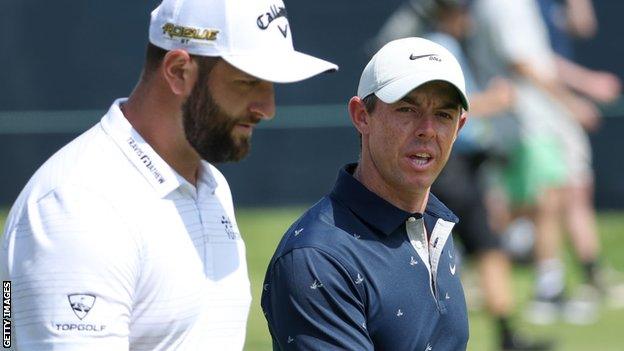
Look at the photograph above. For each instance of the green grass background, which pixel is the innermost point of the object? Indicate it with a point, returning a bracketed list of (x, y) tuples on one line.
[(262, 229)]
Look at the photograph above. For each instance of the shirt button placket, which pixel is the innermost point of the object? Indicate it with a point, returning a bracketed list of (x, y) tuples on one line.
[(205, 237)]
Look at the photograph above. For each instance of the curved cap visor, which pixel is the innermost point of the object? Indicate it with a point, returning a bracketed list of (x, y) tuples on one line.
[(280, 67), (396, 90)]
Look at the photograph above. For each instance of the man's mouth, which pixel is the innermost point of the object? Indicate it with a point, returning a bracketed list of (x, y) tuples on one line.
[(246, 126), (421, 158)]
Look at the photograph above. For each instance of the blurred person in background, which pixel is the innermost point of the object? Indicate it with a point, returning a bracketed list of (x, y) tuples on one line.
[(565, 20), (461, 185), (126, 239), (554, 150), (411, 18), (371, 265)]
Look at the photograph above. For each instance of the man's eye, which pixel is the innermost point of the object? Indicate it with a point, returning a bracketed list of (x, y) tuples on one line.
[(405, 109), (249, 82), (445, 115)]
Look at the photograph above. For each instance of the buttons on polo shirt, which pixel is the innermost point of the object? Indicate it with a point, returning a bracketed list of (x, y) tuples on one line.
[(411, 219), (419, 245)]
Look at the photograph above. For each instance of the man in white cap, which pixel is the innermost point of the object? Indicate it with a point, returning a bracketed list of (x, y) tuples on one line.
[(372, 265), (126, 237)]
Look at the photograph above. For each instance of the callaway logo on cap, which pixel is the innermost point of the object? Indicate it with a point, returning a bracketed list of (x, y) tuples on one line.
[(405, 64), (252, 35), (265, 20)]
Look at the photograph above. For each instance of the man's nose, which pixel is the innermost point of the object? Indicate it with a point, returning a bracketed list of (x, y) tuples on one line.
[(263, 105), (425, 128)]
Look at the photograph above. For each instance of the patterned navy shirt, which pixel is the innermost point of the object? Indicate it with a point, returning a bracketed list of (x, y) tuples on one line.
[(357, 273)]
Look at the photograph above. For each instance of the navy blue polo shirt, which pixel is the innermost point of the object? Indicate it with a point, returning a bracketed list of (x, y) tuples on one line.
[(357, 273)]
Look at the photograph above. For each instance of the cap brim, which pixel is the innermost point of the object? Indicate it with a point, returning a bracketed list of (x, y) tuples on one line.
[(396, 90), (280, 67)]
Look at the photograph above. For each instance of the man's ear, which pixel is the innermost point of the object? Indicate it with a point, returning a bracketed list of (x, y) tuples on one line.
[(462, 121), (179, 71), (359, 116)]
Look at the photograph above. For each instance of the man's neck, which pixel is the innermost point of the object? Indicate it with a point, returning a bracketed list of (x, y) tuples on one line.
[(408, 200)]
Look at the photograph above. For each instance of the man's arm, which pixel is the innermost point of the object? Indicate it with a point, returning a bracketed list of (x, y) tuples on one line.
[(312, 303), (73, 265), (581, 17), (601, 86)]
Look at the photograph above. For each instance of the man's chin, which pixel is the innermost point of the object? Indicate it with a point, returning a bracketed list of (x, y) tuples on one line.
[(233, 156), (240, 154), (242, 147)]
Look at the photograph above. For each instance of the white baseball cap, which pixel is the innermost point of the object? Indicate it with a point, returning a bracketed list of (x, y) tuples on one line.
[(252, 35), (403, 65)]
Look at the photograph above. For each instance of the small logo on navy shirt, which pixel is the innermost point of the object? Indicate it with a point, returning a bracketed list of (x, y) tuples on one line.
[(316, 285)]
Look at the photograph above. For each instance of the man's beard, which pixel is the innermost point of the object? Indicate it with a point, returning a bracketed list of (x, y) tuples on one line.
[(209, 129)]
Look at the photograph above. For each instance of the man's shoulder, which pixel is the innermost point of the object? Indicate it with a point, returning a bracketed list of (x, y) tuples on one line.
[(67, 162), (317, 229), (84, 163)]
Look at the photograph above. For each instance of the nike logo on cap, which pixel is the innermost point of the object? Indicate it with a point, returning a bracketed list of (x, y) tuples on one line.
[(416, 57)]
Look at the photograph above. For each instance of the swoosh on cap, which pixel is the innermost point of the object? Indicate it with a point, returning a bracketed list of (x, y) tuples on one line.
[(413, 57)]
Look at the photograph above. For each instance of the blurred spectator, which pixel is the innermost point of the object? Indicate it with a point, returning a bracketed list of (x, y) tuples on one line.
[(549, 177), (554, 152), (563, 19), (412, 18)]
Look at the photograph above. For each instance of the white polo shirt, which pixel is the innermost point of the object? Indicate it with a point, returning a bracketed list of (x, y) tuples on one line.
[(108, 248)]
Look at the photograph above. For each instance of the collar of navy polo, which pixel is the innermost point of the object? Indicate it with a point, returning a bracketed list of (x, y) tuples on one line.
[(379, 213)]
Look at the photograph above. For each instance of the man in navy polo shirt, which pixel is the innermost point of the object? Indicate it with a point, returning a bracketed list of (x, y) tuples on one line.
[(372, 265)]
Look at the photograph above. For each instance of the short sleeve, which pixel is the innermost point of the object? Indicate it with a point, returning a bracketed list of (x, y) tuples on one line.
[(73, 263), (312, 303)]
